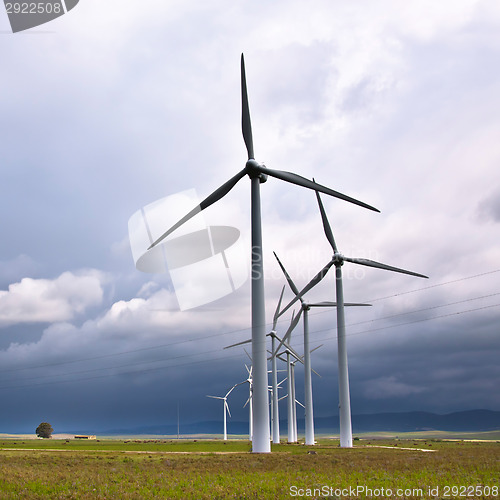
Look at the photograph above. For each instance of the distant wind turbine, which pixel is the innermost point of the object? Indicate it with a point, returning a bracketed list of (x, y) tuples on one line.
[(225, 408), (258, 174), (338, 260)]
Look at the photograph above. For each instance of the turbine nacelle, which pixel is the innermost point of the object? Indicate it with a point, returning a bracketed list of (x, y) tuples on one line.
[(254, 170)]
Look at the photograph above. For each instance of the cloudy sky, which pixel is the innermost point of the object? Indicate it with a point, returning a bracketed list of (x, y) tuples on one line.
[(114, 106)]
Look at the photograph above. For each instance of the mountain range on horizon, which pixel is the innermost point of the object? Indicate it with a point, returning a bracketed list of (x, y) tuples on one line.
[(463, 421)]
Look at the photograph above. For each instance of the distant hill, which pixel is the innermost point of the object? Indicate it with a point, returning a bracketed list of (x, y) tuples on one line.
[(473, 421), (464, 421)]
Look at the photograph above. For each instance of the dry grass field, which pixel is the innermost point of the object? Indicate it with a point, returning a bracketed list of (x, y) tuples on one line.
[(190, 469)]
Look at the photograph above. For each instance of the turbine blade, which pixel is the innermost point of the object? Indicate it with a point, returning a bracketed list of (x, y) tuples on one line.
[(313, 370), (288, 347), (276, 313), (326, 224), (310, 285), (239, 343), (279, 383), (317, 347), (227, 408), (215, 397), (293, 324), (334, 304), (323, 304), (209, 200), (223, 190), (246, 124), (297, 356), (302, 181), (378, 265), (279, 340), (290, 282), (231, 390)]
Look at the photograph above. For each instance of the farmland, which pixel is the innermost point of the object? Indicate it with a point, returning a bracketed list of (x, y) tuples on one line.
[(209, 469)]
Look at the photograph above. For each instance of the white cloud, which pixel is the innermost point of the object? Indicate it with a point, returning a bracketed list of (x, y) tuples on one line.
[(46, 301)]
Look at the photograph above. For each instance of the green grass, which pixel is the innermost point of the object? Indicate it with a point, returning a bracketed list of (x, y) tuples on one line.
[(188, 469), (130, 445)]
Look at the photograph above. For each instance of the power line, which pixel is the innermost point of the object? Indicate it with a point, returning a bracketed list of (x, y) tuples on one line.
[(121, 353), (425, 309), (436, 285), (229, 356), (421, 320), (133, 372), (178, 342)]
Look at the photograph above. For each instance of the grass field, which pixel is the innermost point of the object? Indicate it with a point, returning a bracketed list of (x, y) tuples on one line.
[(195, 469)]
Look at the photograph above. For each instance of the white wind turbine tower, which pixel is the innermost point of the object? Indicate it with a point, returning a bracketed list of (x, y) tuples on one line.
[(290, 375), (225, 408), (274, 378), (275, 411), (258, 174), (291, 398), (338, 260), (305, 307), (249, 401)]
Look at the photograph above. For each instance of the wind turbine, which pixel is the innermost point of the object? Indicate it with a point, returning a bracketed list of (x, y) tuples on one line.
[(305, 308), (338, 260), (258, 174), (225, 408)]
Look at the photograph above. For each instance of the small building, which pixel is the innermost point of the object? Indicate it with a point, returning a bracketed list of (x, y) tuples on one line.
[(84, 436)]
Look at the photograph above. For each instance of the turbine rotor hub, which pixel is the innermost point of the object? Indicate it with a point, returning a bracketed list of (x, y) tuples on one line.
[(338, 259), (253, 172)]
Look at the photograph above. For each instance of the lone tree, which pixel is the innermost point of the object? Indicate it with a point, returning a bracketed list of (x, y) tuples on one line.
[(44, 430)]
